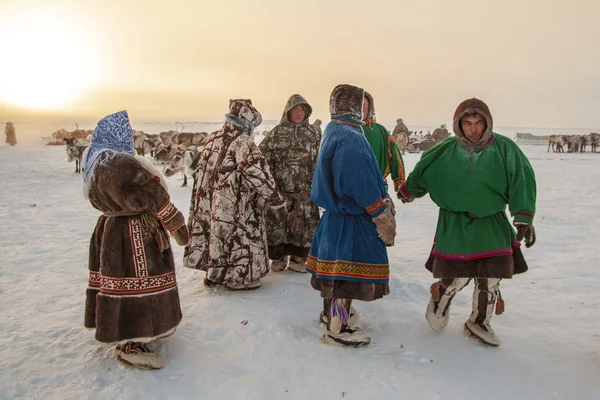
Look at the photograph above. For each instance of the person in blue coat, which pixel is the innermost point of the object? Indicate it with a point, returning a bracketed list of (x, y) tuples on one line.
[(348, 257)]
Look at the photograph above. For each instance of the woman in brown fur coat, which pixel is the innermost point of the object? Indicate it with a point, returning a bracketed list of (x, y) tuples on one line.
[(132, 297)]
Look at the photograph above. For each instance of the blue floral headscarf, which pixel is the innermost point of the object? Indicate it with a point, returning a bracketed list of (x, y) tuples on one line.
[(112, 135)]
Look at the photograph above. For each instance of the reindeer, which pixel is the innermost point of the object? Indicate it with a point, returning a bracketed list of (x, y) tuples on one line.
[(184, 161), (556, 142), (551, 143), (572, 143), (167, 137), (164, 154), (153, 141), (189, 139), (594, 141), (139, 143), (74, 152), (583, 141)]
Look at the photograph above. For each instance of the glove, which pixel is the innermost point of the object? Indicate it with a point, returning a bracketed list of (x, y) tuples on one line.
[(385, 223), (525, 231), (181, 235), (389, 203), (403, 198)]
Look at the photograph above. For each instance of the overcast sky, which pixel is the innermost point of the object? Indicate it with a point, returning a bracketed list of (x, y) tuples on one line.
[(535, 63)]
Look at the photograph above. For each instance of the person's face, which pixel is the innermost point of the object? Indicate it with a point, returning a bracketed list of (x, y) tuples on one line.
[(365, 108), (473, 127), (297, 114)]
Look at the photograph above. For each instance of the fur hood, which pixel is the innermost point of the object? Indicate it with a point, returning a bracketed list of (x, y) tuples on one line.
[(346, 101), (472, 106), (243, 108), (371, 114), (292, 102)]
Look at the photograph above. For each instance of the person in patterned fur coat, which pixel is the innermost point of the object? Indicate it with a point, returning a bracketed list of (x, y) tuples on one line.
[(226, 221), (132, 297)]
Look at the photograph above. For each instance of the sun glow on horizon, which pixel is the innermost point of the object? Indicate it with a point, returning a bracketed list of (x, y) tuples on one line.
[(47, 61)]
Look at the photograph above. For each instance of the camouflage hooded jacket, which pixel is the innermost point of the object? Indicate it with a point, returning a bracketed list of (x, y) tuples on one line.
[(291, 150), (226, 223)]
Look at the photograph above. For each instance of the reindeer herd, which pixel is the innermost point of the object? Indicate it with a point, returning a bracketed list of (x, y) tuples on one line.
[(176, 151), (574, 143)]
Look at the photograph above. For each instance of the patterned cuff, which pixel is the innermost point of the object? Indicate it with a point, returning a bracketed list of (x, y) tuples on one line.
[(523, 216), (376, 208), (171, 218), (398, 183)]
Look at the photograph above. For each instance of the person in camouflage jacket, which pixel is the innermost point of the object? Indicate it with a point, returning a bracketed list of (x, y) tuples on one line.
[(291, 150), (233, 186)]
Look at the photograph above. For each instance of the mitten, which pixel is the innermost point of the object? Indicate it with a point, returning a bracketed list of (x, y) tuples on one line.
[(385, 223), (525, 231)]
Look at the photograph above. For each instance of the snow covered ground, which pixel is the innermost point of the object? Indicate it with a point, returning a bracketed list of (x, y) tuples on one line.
[(265, 344)]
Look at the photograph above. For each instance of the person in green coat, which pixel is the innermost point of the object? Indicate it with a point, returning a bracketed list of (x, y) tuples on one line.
[(385, 148), (472, 178)]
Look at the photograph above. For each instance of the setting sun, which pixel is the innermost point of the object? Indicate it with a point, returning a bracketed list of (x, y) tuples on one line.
[(47, 61)]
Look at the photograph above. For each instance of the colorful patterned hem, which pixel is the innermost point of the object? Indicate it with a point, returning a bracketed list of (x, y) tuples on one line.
[(137, 286), (348, 271), (373, 208), (472, 256)]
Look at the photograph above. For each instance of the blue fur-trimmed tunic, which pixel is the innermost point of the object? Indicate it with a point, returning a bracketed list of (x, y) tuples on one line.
[(348, 185)]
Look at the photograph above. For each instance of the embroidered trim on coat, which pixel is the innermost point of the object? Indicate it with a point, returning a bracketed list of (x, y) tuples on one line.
[(348, 270), (137, 286), (373, 208), (137, 247), (94, 281), (166, 212), (472, 256)]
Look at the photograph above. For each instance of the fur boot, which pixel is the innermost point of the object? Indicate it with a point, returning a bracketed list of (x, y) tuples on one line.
[(339, 331), (297, 265), (279, 265), (484, 300), (348, 337), (352, 322), (139, 356), (442, 293)]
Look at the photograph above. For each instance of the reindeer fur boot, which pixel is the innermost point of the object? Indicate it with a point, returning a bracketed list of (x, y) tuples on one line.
[(139, 356)]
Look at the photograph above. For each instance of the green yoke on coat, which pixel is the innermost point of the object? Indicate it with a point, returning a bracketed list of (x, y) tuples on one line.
[(472, 184)]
